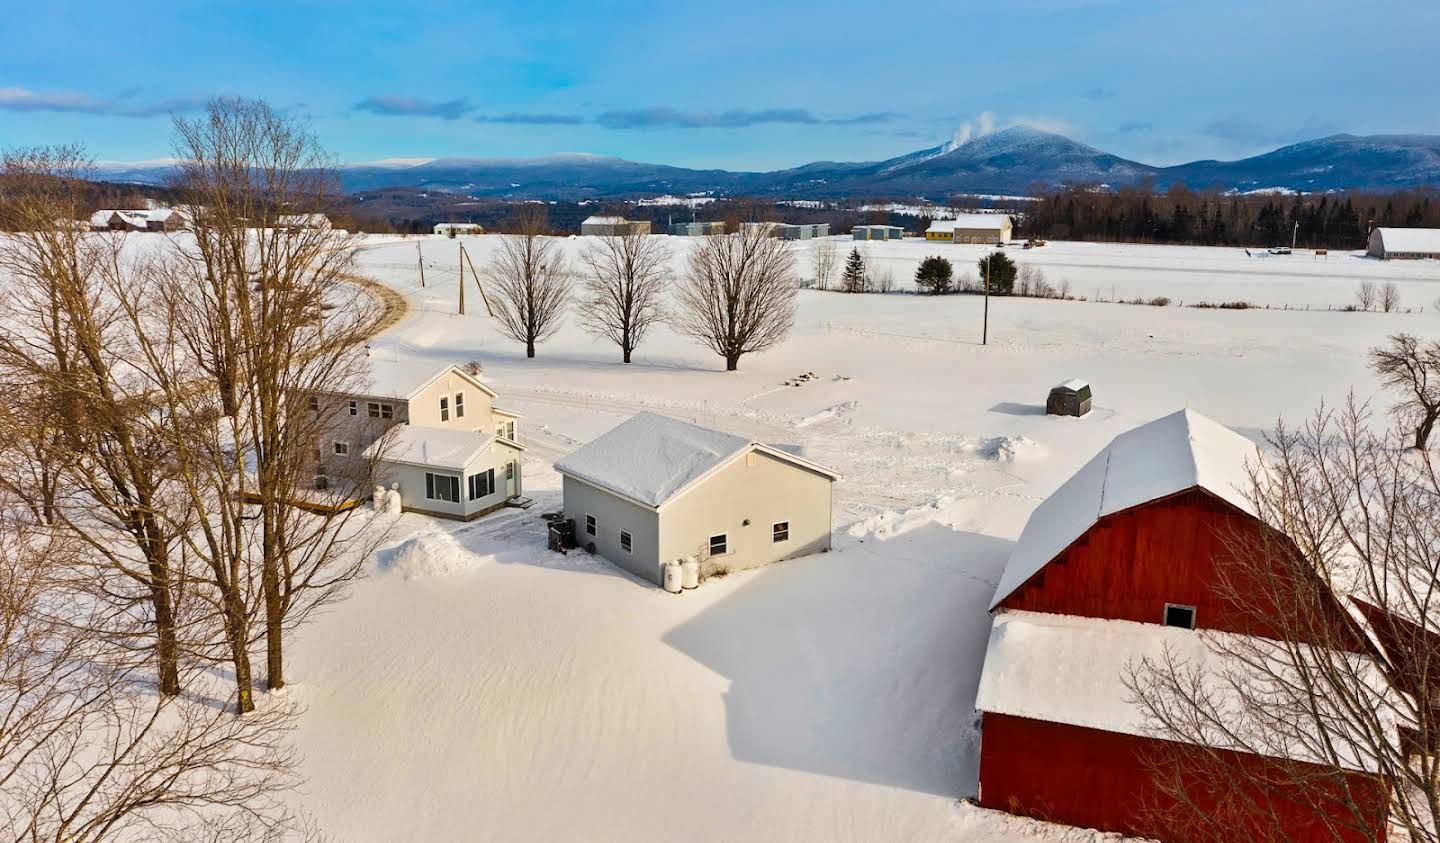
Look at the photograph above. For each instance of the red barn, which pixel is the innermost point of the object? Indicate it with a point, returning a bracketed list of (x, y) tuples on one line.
[(1117, 566)]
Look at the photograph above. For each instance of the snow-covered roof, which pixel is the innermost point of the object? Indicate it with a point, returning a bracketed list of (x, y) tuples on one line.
[(1171, 454), (1422, 240), (1072, 670), (435, 447), (303, 220), (605, 221), (392, 379), (1074, 385), (995, 222), (650, 458)]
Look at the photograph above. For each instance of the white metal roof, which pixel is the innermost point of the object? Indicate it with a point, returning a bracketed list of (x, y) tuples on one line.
[(650, 458), (604, 221), (435, 447), (1418, 240), (1171, 454), (1072, 670), (994, 222)]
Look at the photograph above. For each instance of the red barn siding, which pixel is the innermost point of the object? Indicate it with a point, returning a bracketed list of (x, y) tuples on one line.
[(1095, 779), (1130, 564)]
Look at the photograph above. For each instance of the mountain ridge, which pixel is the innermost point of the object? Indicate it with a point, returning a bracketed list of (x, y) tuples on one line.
[(1007, 161)]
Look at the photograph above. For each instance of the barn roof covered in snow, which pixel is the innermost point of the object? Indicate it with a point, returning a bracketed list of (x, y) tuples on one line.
[(433, 447), (1172, 454), (994, 222), (1407, 240), (650, 458), (1072, 670)]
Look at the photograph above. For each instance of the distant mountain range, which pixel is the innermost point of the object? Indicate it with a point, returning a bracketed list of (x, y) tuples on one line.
[(1009, 161)]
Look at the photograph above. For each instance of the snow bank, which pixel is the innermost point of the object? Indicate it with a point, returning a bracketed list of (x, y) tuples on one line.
[(428, 555), (999, 448)]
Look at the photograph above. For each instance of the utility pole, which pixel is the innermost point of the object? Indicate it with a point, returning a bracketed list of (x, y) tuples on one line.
[(1294, 234), (420, 259), (489, 311), (985, 329), (461, 263)]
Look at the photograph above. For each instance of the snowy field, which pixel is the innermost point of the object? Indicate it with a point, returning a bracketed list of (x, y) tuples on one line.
[(479, 687)]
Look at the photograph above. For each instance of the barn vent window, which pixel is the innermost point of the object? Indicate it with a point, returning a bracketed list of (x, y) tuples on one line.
[(780, 531), (719, 545), (626, 542), (1181, 616), (591, 526)]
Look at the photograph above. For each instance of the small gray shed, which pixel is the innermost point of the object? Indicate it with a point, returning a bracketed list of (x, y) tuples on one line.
[(1071, 398)]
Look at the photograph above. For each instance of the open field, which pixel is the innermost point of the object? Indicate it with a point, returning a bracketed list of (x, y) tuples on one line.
[(526, 695)]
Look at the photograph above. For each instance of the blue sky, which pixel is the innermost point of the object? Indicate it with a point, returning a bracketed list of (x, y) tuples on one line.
[(734, 84)]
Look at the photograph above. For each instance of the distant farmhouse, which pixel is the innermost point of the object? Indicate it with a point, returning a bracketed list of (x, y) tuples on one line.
[(1411, 243), (696, 229), (450, 450), (877, 232), (1124, 563), (655, 490), (297, 222), (972, 228), (455, 229), (614, 226), (157, 219)]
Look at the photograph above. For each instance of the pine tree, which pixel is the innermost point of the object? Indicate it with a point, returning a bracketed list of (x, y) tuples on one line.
[(1001, 271), (934, 275), (853, 281)]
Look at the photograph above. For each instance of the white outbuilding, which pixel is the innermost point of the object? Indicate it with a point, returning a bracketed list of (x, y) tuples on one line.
[(452, 473), (1411, 243), (655, 490)]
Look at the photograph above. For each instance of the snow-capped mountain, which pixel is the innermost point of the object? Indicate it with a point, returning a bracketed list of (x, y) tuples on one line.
[(1007, 161)]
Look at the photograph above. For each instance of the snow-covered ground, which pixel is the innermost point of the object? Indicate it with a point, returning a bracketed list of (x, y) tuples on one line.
[(478, 687)]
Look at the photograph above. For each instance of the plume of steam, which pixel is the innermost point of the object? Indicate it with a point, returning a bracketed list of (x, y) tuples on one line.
[(981, 126)]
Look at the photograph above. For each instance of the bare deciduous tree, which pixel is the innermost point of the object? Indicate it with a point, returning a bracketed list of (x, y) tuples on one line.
[(530, 279), (1344, 721), (1365, 295), (1411, 367), (1390, 297), (624, 278), (261, 304), (825, 259), (739, 294)]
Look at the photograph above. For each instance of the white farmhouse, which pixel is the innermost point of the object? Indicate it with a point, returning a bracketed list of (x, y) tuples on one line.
[(438, 435), (655, 489)]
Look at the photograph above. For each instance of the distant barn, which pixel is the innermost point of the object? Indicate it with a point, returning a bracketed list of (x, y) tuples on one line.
[(877, 232), (1404, 243), (972, 228), (613, 226)]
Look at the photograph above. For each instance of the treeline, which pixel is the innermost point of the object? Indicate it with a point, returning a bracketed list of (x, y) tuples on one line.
[(1180, 215)]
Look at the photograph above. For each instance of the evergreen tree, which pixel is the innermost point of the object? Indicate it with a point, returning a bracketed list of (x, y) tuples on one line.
[(1001, 271), (934, 275), (853, 281)]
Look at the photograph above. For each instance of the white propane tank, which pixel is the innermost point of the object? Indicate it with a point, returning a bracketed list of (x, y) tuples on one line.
[(690, 572), (672, 577), (378, 498), (395, 505)]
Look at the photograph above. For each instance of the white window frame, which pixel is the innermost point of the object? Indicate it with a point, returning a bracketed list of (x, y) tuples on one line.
[(322, 482), (314, 403), (627, 541), (488, 486), (510, 470), (432, 486), (354, 408), (774, 540), (379, 410), (340, 448), (592, 525), (444, 408), (1165, 615), (725, 542), (459, 405)]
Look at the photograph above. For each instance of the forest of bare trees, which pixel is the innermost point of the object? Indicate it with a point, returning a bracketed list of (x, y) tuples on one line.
[(150, 469), (1179, 215)]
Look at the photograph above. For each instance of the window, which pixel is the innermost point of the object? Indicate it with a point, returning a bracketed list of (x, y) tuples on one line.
[(1181, 616), (442, 487), (342, 449), (510, 431), (314, 404), (354, 408), (718, 545), (509, 471), (625, 541), (377, 410), (459, 405), (444, 409), (322, 482), (591, 525), (780, 531), (482, 484)]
